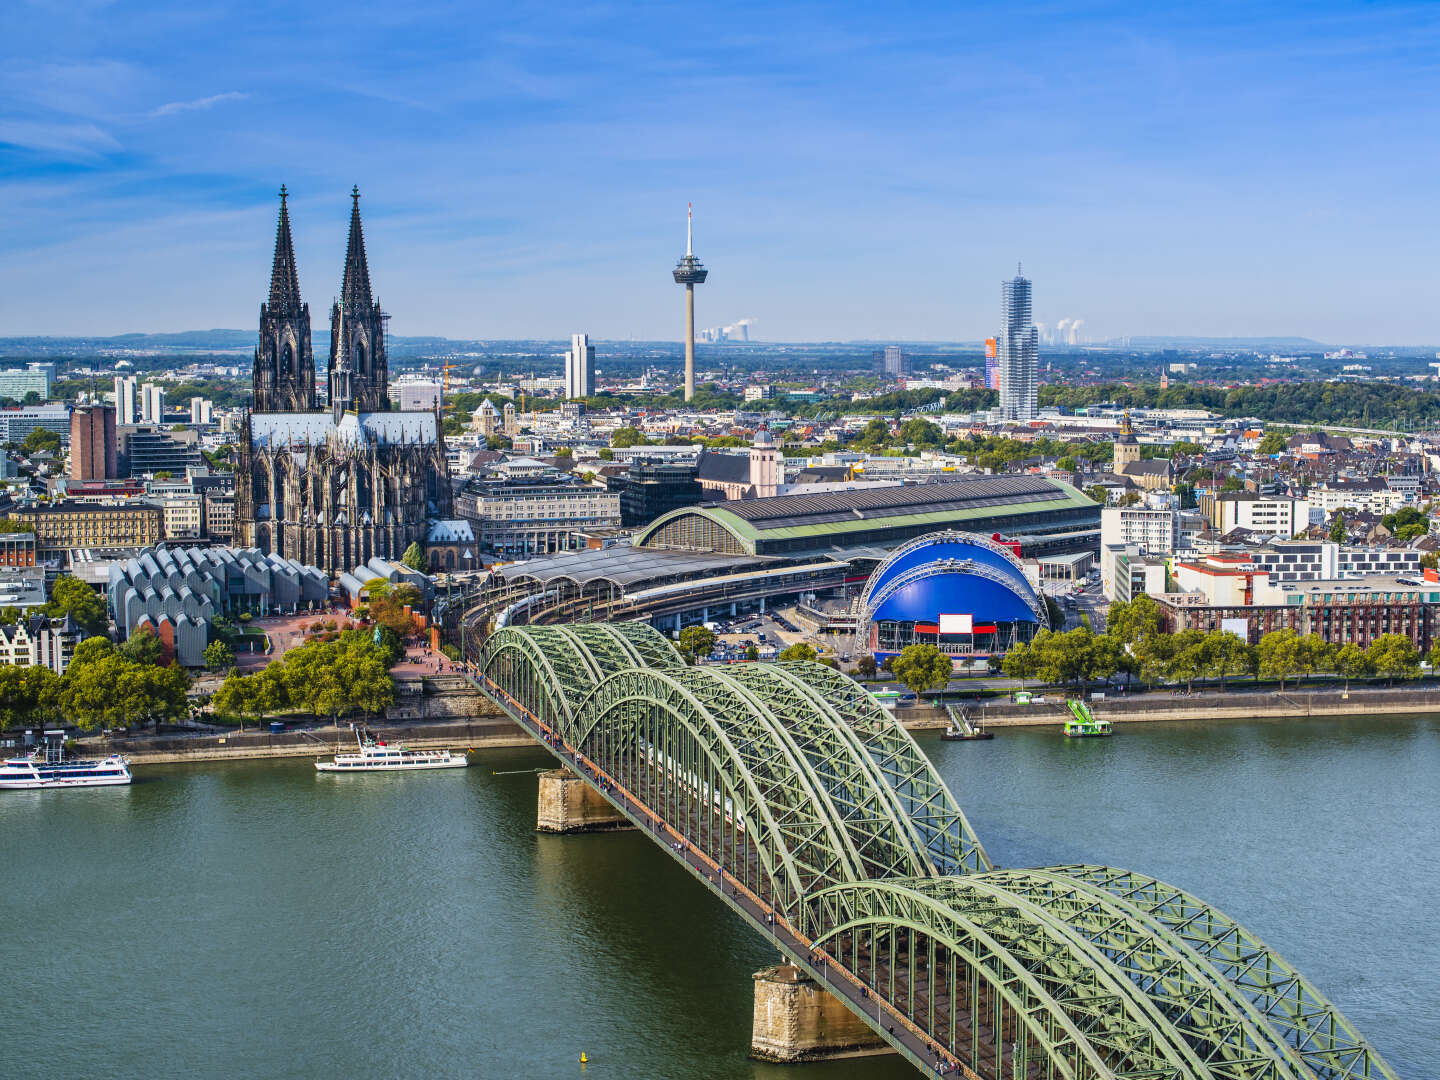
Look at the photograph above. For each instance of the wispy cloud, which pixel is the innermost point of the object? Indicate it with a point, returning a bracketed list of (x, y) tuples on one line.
[(174, 107), (64, 139)]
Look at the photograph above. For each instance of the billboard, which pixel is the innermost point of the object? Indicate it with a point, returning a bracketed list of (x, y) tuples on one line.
[(956, 624)]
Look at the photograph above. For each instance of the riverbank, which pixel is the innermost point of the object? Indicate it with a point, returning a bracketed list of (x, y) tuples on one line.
[(1141, 708), (306, 742)]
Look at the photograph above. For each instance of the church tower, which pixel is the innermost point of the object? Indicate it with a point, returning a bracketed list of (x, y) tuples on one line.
[(358, 369), (284, 376)]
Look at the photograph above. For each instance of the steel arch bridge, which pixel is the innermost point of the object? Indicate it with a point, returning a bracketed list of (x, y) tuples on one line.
[(811, 811)]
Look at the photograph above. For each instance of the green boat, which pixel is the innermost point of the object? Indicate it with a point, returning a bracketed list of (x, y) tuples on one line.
[(1082, 723)]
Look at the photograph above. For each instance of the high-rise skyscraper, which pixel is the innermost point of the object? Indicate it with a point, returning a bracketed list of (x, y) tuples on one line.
[(93, 453), (1019, 348), (689, 272), (127, 401), (152, 403), (580, 367), (894, 361)]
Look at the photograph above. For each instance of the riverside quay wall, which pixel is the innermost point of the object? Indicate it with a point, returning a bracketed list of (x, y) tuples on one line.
[(1161, 705)]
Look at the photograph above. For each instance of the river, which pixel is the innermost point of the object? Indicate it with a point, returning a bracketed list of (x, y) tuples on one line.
[(235, 919)]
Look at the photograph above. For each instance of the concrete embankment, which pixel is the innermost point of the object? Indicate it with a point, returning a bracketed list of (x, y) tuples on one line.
[(1291, 705), (317, 742)]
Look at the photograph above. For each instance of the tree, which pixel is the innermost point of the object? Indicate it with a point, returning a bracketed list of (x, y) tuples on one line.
[(219, 655), (1337, 528), (1393, 656), (1272, 443), (91, 650), (1230, 654), (1098, 493), (626, 437), (1019, 663), (865, 666), (1279, 655), (41, 440), (1057, 616), (114, 691), (239, 696), (799, 651), (922, 667), (1430, 561), (1352, 663), (752, 653), (695, 642), (1190, 657), (71, 596), (144, 646), (606, 454), (414, 557), (29, 696)]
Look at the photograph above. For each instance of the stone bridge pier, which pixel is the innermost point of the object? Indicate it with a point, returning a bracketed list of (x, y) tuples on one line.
[(567, 804), (796, 1019)]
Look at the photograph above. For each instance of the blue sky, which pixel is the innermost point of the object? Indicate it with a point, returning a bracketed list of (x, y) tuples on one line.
[(858, 170)]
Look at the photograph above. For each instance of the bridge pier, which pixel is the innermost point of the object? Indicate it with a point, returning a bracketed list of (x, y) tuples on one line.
[(796, 1019), (567, 804)]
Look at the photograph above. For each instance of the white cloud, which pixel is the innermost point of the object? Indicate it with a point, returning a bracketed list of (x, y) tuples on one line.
[(174, 107), (82, 140)]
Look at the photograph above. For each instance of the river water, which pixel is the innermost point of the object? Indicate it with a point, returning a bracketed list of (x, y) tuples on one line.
[(256, 919)]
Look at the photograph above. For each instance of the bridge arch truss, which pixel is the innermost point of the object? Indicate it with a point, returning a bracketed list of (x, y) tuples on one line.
[(809, 798)]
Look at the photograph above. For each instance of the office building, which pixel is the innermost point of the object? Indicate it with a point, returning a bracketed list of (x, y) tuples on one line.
[(894, 362), (200, 411), (93, 451), (17, 424), (580, 367), (17, 549), (146, 450), (1275, 515), (60, 526), (689, 272), (653, 487), (414, 396), (16, 383), (992, 364), (152, 403), (515, 514), (1155, 532), (1019, 353), (127, 400)]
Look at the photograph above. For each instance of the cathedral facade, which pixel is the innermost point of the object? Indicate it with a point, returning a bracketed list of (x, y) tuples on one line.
[(336, 486)]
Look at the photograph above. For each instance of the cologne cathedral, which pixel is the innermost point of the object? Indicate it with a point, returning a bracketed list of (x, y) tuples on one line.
[(336, 486)]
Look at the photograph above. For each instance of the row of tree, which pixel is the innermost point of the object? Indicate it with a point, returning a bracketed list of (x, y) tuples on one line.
[(104, 686), (1136, 645), (323, 678)]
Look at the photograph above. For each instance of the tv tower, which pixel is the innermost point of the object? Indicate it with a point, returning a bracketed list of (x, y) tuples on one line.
[(689, 272)]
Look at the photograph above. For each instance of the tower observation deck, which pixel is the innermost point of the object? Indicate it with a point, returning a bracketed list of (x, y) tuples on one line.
[(690, 272)]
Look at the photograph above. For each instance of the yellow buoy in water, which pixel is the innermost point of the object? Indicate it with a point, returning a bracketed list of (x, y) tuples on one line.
[(583, 1058)]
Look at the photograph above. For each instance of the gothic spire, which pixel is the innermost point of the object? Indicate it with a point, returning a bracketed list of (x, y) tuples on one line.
[(355, 286), (284, 281)]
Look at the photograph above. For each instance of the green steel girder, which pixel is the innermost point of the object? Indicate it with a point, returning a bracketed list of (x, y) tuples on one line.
[(667, 722), (1219, 1024), (884, 837), (1298, 1013), (923, 796), (1083, 1028), (802, 787)]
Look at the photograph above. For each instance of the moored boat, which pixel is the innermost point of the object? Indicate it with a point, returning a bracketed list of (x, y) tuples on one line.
[(48, 767), (375, 755)]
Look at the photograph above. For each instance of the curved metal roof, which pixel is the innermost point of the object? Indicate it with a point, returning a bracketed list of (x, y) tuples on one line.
[(951, 573)]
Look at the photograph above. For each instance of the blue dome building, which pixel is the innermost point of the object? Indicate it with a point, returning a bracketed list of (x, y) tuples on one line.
[(958, 591)]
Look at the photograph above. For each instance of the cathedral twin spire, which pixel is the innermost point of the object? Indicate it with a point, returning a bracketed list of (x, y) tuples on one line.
[(284, 376)]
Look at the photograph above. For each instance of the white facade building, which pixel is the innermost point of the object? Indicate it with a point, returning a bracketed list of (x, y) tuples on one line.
[(1019, 353), (1155, 532), (1278, 515), (152, 403), (127, 400)]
